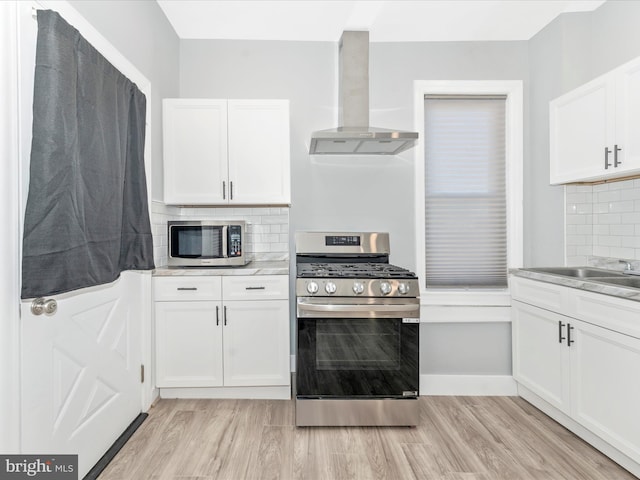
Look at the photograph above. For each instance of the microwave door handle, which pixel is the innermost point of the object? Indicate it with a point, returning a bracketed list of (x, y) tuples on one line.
[(225, 236)]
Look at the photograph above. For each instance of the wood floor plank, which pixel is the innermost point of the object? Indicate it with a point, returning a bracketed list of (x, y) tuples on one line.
[(459, 438)]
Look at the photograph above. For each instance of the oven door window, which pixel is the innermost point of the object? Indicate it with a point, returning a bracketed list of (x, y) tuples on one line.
[(196, 241), (368, 357)]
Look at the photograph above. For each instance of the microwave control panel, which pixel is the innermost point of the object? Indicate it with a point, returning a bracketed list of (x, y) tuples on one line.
[(235, 240)]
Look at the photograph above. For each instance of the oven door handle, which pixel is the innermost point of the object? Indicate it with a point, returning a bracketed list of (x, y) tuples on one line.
[(306, 309)]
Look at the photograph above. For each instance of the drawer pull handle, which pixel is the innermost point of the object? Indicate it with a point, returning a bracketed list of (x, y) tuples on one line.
[(560, 325), (569, 341), (224, 315), (255, 288), (616, 162), (606, 158), (217, 317), (187, 288)]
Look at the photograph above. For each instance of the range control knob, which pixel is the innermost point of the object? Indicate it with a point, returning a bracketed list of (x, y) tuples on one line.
[(358, 288), (330, 287), (403, 288), (312, 287), (385, 288)]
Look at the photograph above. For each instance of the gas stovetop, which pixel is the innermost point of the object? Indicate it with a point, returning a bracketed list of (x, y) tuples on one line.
[(353, 270), (350, 264)]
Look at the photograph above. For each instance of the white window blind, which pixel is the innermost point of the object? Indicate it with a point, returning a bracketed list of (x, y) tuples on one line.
[(465, 192)]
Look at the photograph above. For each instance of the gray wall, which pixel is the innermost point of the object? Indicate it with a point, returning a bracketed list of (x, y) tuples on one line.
[(142, 33)]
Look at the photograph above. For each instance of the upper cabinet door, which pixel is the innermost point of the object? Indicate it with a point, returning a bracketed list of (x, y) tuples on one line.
[(195, 151), (628, 116), (259, 152), (581, 127)]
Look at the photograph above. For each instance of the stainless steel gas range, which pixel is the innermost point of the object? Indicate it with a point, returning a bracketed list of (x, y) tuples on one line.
[(358, 322)]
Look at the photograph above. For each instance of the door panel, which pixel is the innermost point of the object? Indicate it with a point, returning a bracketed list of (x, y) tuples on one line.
[(605, 388), (256, 343), (540, 361), (81, 371), (189, 344)]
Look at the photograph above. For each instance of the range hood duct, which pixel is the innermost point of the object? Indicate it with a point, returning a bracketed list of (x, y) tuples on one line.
[(355, 136)]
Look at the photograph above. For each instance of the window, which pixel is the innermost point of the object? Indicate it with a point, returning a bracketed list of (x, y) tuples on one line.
[(465, 199), (468, 189)]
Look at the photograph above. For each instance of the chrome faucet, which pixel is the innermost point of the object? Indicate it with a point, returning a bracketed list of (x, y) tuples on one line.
[(627, 265)]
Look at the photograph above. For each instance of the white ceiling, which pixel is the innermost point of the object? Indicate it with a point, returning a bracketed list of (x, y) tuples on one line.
[(387, 21)]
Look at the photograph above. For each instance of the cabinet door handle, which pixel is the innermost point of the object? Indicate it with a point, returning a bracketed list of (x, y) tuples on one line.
[(224, 190), (569, 341), (217, 317), (187, 288), (255, 288), (616, 162), (224, 315), (606, 158), (231, 190), (560, 325)]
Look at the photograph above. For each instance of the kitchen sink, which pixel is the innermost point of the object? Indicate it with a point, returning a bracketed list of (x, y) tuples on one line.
[(581, 272)]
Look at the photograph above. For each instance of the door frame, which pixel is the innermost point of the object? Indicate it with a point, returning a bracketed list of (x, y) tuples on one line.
[(10, 244)]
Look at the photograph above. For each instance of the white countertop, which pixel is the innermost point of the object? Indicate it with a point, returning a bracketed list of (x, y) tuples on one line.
[(270, 267)]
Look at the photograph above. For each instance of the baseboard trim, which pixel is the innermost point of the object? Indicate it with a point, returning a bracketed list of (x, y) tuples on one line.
[(468, 385), (266, 393)]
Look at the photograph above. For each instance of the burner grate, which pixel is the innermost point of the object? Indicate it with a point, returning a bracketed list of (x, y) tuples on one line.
[(356, 270)]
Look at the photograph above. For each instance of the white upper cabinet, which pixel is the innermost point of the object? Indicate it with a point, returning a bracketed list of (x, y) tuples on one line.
[(259, 151), (591, 128), (226, 152)]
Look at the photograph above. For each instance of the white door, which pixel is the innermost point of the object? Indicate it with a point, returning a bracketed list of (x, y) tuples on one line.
[(540, 359), (81, 383), (628, 116), (195, 151), (256, 343), (189, 344), (259, 151), (582, 124), (605, 389)]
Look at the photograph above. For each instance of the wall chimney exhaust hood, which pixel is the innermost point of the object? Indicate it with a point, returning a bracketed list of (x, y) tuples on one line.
[(355, 136)]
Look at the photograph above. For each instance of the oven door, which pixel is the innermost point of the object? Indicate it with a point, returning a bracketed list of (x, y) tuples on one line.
[(364, 348)]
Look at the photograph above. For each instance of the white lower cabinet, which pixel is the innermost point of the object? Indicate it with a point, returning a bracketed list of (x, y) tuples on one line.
[(540, 361), (204, 341), (587, 371), (188, 345), (255, 337), (605, 389)]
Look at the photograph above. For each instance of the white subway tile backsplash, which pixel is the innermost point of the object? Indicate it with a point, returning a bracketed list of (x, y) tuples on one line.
[(602, 221), (601, 207), (622, 230), (621, 206)]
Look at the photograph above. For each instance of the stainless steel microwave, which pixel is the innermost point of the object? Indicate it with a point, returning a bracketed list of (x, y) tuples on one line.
[(208, 243)]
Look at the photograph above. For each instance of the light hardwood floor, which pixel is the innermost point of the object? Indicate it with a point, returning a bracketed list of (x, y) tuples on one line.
[(460, 438)]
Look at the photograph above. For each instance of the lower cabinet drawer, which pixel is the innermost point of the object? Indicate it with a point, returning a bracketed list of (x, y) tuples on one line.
[(257, 287), (187, 288)]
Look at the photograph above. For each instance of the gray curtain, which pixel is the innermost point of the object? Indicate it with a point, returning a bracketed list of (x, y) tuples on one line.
[(87, 214)]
